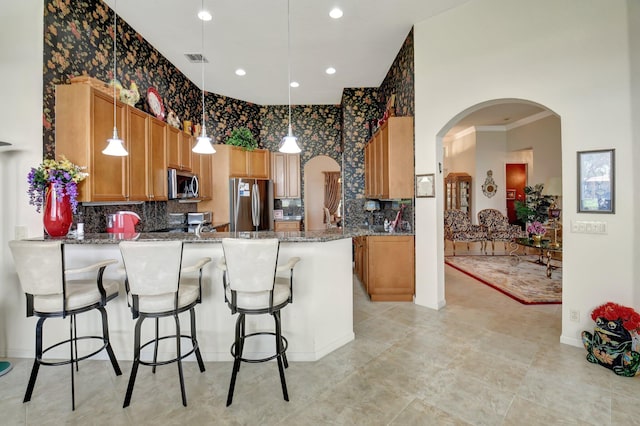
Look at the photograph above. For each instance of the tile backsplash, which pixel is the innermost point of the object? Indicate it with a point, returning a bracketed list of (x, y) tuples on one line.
[(153, 215)]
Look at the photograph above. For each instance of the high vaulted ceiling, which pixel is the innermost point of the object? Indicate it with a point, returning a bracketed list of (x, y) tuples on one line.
[(252, 35)]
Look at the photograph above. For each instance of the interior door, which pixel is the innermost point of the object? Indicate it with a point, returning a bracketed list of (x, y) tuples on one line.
[(516, 180)]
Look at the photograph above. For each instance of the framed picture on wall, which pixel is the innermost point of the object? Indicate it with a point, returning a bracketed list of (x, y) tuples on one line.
[(511, 194), (596, 181), (426, 185)]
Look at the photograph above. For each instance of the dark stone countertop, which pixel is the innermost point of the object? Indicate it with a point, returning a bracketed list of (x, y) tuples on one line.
[(216, 237)]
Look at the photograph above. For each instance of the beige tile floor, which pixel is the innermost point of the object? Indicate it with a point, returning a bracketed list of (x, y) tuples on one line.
[(484, 359)]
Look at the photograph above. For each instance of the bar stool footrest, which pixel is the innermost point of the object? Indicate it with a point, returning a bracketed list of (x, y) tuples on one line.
[(178, 357), (285, 345), (73, 341)]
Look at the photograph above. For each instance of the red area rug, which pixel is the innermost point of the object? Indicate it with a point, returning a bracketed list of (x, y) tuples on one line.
[(523, 281)]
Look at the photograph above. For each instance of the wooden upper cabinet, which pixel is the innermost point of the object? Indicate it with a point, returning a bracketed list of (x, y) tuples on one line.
[(238, 166), (137, 143), (157, 156), (179, 146), (252, 164), (389, 160), (285, 173), (204, 167), (258, 161), (84, 122), (186, 144)]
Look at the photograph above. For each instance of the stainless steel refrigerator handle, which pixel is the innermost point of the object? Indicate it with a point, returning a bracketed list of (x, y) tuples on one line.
[(255, 205), (236, 188)]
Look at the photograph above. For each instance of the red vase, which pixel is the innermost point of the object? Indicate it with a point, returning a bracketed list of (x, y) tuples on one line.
[(57, 213)]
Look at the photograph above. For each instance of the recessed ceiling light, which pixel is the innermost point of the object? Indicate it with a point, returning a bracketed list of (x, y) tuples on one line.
[(335, 13), (295, 84), (205, 15), (330, 70), (240, 72)]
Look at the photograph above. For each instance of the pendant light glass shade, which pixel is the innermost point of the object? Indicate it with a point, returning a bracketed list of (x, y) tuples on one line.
[(203, 144), (115, 145), (289, 143)]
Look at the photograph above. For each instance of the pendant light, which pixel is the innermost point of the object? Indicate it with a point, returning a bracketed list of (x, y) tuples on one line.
[(115, 145), (289, 143), (203, 144)]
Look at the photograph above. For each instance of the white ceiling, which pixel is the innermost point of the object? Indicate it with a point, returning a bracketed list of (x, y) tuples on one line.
[(252, 34), (502, 113)]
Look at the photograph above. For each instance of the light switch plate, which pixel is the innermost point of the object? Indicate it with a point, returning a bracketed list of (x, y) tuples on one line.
[(588, 227)]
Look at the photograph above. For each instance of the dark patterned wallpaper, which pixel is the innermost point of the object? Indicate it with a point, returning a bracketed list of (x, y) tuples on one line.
[(400, 80), (317, 128), (361, 105), (78, 40)]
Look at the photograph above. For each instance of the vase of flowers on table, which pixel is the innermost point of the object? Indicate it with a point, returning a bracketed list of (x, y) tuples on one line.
[(536, 230), (54, 186), (615, 342)]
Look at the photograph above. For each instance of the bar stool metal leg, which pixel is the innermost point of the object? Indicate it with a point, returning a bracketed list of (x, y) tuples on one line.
[(36, 361), (105, 339), (280, 357), (237, 355), (136, 362), (178, 351), (194, 340)]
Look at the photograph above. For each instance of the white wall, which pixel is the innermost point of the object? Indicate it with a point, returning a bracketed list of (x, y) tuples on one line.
[(634, 40), (20, 124), (543, 138), (573, 58), (491, 147)]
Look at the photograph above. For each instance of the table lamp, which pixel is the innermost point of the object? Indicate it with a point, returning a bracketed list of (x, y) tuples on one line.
[(553, 188)]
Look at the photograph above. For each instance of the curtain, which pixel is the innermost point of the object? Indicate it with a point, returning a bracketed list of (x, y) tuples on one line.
[(332, 191)]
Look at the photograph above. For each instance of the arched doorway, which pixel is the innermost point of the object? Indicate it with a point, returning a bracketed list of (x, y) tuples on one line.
[(491, 136), (314, 180)]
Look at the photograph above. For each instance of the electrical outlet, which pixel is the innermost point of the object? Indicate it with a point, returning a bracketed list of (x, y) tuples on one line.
[(574, 315), (21, 232)]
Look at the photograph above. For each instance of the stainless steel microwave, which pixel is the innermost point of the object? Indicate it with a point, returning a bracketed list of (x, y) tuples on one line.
[(182, 184)]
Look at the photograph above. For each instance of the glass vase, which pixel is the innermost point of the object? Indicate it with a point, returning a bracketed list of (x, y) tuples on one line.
[(57, 217)]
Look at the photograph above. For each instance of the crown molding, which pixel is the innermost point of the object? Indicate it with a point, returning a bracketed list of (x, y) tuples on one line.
[(503, 128), (528, 120)]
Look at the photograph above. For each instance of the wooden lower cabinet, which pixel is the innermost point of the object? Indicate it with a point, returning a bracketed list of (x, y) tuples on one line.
[(385, 265), (286, 225), (222, 228)]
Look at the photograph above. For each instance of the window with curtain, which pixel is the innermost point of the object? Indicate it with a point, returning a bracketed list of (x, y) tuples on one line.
[(331, 192)]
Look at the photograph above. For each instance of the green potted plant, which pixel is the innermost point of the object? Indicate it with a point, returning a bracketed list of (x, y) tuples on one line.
[(535, 207), (243, 138)]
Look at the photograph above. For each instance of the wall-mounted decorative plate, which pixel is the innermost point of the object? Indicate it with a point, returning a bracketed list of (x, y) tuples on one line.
[(155, 103)]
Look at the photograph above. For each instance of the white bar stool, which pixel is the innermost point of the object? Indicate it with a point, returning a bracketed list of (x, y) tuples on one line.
[(252, 288), (43, 276)]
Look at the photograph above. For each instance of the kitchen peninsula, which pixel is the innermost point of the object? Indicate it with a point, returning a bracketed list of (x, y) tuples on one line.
[(319, 321)]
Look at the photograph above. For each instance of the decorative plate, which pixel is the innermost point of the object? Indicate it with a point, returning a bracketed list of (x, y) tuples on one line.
[(155, 103)]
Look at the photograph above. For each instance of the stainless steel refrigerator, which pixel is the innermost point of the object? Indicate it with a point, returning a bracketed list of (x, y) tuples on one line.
[(250, 204)]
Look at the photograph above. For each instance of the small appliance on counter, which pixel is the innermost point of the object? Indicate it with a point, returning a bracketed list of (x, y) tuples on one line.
[(196, 218), (122, 222)]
